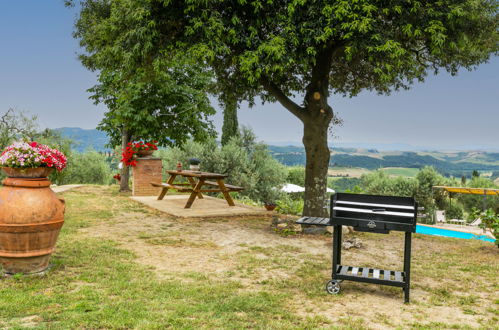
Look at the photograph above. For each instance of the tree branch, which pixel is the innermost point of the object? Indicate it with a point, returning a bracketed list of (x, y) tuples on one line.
[(286, 102)]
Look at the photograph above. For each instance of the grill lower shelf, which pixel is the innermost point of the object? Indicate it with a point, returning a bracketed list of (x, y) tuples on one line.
[(314, 221), (370, 275)]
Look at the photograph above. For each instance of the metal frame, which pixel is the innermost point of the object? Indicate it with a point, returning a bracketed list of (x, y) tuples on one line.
[(371, 275), (376, 224)]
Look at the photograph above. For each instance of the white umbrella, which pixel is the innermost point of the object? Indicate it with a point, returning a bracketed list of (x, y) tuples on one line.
[(292, 188)]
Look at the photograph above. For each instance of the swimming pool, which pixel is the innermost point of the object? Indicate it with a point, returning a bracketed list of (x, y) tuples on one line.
[(427, 230)]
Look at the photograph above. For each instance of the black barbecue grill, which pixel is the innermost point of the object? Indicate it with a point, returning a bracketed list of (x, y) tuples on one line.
[(375, 214)]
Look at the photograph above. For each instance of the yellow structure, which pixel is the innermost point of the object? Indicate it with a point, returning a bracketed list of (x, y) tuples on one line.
[(474, 191)]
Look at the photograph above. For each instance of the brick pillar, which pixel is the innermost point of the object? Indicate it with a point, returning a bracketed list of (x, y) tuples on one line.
[(148, 170)]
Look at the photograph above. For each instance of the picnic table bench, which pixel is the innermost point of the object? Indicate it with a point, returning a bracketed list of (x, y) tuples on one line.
[(197, 181)]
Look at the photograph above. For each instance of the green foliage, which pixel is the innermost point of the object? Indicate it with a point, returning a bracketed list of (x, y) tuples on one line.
[(454, 211), (276, 49), (288, 205), (296, 175), (248, 164), (426, 196), (379, 183), (490, 220), (230, 126), (421, 188), (469, 201), (162, 98), (343, 184), (86, 168), (355, 190)]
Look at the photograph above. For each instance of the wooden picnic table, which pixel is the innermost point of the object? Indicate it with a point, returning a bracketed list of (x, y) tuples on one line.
[(197, 180)]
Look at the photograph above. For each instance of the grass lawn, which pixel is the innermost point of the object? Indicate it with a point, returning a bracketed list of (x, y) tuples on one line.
[(121, 265)]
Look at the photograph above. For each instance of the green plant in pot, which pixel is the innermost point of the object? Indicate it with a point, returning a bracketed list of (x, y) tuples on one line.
[(194, 164), (269, 198)]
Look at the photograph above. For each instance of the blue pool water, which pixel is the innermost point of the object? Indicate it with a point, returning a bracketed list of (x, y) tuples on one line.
[(450, 233)]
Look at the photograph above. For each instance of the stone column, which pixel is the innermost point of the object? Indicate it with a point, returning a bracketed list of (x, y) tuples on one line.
[(148, 170)]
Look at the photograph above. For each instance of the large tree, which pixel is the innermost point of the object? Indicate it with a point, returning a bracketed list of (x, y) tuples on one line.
[(280, 50), (162, 98)]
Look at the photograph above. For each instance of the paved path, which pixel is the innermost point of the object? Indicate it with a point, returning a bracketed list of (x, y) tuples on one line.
[(66, 187)]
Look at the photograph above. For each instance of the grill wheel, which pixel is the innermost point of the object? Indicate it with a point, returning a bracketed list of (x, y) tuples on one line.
[(333, 287)]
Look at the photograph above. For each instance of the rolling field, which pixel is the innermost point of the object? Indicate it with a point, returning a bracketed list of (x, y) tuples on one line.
[(356, 172), (401, 171)]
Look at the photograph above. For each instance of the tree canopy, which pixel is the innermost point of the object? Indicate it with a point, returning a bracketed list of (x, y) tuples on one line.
[(162, 98), (280, 50)]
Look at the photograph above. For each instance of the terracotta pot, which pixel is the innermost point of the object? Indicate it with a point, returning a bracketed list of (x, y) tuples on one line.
[(270, 207), (145, 153), (36, 172), (31, 216)]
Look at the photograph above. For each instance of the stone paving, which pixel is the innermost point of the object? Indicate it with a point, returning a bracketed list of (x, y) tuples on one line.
[(208, 207)]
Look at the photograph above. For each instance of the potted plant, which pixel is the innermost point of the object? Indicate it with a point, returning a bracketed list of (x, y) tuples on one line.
[(31, 214), (269, 197), (137, 149), (194, 164), (270, 206)]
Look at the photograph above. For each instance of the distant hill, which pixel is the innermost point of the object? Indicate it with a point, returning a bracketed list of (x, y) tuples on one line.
[(85, 138), (447, 163), (455, 163)]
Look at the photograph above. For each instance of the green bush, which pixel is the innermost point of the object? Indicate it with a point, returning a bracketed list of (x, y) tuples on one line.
[(343, 184), (379, 183), (454, 211), (86, 168), (287, 205), (490, 220), (296, 175)]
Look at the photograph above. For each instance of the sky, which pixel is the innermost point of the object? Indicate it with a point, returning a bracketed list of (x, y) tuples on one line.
[(40, 74)]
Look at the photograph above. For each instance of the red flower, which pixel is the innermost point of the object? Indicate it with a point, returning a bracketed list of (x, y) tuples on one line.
[(128, 154)]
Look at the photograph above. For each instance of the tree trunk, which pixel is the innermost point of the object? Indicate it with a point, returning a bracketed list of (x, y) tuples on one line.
[(316, 115), (230, 126), (125, 171), (317, 152)]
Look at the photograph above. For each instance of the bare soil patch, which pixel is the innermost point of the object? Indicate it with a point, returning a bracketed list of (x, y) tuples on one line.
[(249, 252)]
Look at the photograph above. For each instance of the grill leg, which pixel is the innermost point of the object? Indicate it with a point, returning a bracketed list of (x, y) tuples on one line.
[(407, 265), (336, 249)]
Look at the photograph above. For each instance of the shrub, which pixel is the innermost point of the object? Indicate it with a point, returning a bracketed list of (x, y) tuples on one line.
[(343, 184), (89, 167), (287, 205), (296, 175), (490, 220), (379, 183), (454, 211)]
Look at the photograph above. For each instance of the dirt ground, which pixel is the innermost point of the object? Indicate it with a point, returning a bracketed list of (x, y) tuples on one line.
[(249, 251)]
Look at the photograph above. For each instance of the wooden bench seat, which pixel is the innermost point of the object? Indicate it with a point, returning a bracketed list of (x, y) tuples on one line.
[(179, 186), (228, 186)]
